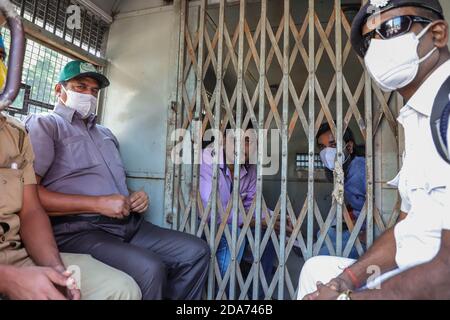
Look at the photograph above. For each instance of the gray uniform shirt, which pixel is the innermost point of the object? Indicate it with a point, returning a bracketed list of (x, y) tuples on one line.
[(74, 157)]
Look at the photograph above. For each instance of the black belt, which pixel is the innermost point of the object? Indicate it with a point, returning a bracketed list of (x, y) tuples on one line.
[(92, 219)]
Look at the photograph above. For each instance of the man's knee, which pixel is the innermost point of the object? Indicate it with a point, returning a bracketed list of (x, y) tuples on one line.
[(314, 264), (200, 248), (203, 250), (310, 274), (123, 287), (195, 250), (98, 281), (204, 254), (320, 268), (154, 270)]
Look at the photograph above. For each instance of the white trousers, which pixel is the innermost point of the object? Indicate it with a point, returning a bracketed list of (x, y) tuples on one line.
[(326, 268)]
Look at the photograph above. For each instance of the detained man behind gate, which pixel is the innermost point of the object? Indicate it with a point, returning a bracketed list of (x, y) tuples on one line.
[(247, 192), (83, 187), (354, 167), (405, 47)]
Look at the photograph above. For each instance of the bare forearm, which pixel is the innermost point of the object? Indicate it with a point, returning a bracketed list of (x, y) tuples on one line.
[(36, 231), (430, 281), (37, 236), (6, 272), (381, 255), (58, 204)]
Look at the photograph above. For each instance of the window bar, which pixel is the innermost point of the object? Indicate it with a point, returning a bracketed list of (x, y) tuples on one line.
[(58, 4), (181, 86), (36, 74), (22, 8), (368, 107), (74, 30), (217, 117), (91, 22), (311, 131), (42, 13), (35, 10), (65, 25), (196, 123), (83, 29), (97, 38), (46, 13), (339, 110), (261, 137), (284, 150), (74, 33), (238, 142), (47, 76)]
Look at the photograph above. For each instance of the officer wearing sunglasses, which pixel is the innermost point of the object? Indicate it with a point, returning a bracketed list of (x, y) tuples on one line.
[(404, 47)]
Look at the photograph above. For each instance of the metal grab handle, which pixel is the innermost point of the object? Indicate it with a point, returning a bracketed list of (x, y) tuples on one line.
[(16, 54)]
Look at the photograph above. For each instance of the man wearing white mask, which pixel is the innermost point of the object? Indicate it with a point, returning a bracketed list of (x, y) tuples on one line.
[(404, 44), (31, 267), (83, 188), (354, 167)]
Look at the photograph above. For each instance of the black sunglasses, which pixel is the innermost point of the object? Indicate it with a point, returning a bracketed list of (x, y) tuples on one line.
[(392, 28)]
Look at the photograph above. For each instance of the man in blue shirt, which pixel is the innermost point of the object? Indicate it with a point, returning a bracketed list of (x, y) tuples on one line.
[(354, 166), (83, 187)]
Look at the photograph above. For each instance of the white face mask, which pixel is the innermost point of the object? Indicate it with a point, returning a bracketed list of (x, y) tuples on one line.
[(328, 157), (394, 63), (84, 104)]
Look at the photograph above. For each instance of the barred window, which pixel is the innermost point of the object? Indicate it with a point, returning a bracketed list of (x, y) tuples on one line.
[(302, 161), (52, 16), (41, 69)]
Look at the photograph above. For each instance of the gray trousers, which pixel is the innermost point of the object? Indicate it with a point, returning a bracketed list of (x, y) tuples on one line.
[(165, 264)]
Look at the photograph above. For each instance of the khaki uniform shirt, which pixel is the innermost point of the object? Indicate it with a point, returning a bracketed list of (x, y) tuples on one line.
[(16, 171)]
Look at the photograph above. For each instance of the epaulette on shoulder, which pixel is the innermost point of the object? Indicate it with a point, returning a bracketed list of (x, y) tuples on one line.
[(15, 123)]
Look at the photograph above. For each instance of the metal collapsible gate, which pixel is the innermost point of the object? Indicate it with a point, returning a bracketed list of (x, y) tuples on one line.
[(231, 53)]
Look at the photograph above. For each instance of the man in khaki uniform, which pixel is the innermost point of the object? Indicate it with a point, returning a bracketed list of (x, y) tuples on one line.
[(26, 236)]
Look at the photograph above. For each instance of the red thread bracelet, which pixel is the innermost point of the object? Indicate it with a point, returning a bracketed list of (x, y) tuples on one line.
[(353, 278)]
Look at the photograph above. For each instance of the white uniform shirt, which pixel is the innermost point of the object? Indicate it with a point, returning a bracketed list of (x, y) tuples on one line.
[(424, 180), (405, 203)]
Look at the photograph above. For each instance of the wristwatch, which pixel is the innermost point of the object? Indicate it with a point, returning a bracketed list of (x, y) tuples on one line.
[(345, 295)]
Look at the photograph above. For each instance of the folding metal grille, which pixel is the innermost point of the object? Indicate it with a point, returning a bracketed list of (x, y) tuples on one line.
[(288, 72)]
